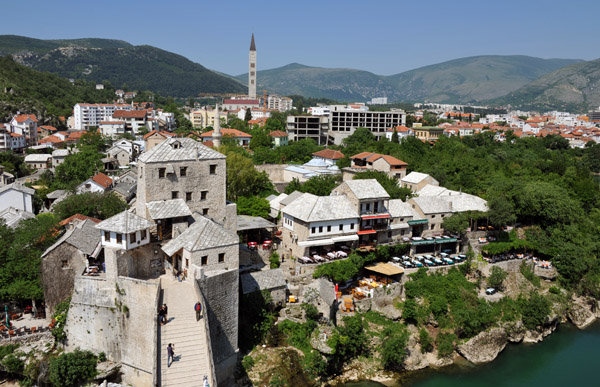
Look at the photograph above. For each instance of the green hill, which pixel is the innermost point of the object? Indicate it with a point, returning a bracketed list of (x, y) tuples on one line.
[(572, 88), (43, 94), (120, 63), (457, 81)]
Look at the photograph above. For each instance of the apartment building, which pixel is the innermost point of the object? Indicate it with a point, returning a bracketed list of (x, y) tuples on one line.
[(277, 102), (27, 126), (376, 162), (203, 118), (87, 115)]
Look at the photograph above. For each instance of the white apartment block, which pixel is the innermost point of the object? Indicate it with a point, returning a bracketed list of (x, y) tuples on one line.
[(87, 114), (256, 113), (25, 125), (277, 102), (343, 122)]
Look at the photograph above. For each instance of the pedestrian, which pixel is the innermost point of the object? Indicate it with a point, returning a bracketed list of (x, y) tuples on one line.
[(161, 315), (198, 309), (205, 384), (170, 354), (34, 310), (178, 275), (165, 310)]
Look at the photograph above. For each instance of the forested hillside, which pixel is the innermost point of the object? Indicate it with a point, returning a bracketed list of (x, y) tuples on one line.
[(46, 95)]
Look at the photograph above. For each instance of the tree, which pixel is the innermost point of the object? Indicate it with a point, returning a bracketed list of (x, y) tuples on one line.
[(260, 138), (502, 211), (456, 224), (395, 138), (97, 205), (358, 141), (497, 277), (71, 369), (321, 185), (243, 179), (294, 185), (393, 347), (248, 115), (77, 168), (253, 206)]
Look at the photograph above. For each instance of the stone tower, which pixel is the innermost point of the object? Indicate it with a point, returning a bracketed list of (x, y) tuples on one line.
[(217, 128), (252, 70)]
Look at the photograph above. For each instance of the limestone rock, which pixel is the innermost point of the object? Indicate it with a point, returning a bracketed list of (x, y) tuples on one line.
[(581, 314), (485, 346), (515, 331)]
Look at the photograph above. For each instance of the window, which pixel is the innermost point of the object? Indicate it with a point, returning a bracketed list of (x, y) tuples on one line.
[(188, 196), (183, 171), (252, 73), (389, 234), (252, 65), (205, 211), (351, 226), (432, 216), (252, 82), (119, 238), (401, 232), (174, 194), (204, 260), (187, 262), (213, 169), (320, 228), (341, 227), (328, 228), (312, 231), (161, 172), (221, 257), (132, 237), (368, 206), (65, 263), (143, 234), (203, 195), (107, 235)]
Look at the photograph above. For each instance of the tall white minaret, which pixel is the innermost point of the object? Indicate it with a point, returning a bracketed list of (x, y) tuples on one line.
[(252, 70), (217, 128)]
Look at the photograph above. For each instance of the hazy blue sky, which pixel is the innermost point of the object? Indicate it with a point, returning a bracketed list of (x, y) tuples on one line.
[(384, 37)]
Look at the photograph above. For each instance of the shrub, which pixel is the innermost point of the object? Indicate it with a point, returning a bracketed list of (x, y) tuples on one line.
[(71, 369), (101, 357), (274, 260), (425, 341), (409, 310), (248, 363), (497, 277), (554, 290), (13, 364), (528, 273), (445, 344), (393, 348), (534, 309), (311, 312), (7, 350), (60, 318)]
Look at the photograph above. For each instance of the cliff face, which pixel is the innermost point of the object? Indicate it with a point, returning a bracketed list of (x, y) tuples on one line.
[(485, 346)]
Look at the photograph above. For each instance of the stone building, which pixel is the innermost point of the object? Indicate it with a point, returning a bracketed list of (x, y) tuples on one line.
[(368, 161), (181, 168), (417, 180), (66, 259)]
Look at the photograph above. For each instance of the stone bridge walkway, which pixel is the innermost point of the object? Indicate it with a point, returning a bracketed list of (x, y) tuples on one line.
[(189, 337)]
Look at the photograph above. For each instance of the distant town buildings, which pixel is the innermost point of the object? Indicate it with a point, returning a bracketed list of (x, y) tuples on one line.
[(279, 103), (315, 127), (379, 101)]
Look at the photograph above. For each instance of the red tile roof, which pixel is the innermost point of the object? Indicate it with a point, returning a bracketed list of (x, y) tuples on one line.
[(227, 132), (372, 157), (102, 179), (329, 154), (78, 217), (23, 117), (399, 129), (240, 102), (278, 133), (162, 133), (51, 139), (129, 114), (49, 128)]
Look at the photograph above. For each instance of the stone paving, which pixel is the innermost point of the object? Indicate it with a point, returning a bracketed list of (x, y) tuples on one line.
[(188, 336)]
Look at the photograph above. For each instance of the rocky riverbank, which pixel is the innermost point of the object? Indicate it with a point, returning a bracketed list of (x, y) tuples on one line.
[(480, 349)]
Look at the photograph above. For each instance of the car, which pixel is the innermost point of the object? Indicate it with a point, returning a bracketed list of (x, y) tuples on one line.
[(407, 264), (490, 291), (448, 261), (462, 256), (396, 259), (428, 262), (417, 263), (438, 261), (447, 251)]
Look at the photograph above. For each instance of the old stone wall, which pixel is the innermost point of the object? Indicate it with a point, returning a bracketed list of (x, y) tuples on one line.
[(58, 279), (144, 262), (230, 260), (274, 171), (138, 303), (221, 292), (93, 321)]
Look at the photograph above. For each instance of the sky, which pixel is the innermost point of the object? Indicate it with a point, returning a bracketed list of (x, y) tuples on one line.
[(383, 37)]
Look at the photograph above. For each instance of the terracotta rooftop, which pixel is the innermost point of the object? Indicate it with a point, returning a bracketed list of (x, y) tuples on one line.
[(227, 132), (372, 157), (102, 179), (278, 133), (129, 114), (329, 154), (78, 217)]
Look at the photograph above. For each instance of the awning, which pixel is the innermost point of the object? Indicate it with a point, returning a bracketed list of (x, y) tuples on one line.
[(399, 225), (364, 232), (418, 221), (385, 269), (381, 216), (245, 222), (316, 242), (345, 238)]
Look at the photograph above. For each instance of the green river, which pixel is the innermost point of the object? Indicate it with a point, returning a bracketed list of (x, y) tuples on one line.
[(568, 357)]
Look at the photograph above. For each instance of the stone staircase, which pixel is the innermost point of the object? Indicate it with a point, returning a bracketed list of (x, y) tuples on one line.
[(188, 336)]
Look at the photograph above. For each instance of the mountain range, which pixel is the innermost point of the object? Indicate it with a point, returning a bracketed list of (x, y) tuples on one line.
[(122, 64), (464, 80), (518, 80)]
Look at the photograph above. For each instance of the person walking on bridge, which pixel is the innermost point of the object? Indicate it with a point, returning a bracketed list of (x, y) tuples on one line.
[(170, 354), (198, 309)]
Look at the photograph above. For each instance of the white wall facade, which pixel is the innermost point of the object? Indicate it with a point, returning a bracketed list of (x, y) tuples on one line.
[(16, 199)]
